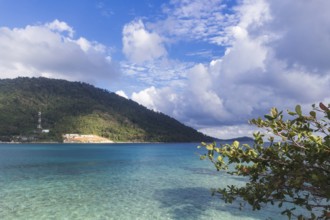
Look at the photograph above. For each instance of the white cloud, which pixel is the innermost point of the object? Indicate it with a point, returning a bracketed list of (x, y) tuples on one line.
[(122, 94), (276, 55), (60, 26), (159, 73), (304, 33), (200, 97), (45, 50), (147, 97), (253, 14), (229, 131), (163, 99), (196, 20), (140, 45), (188, 101)]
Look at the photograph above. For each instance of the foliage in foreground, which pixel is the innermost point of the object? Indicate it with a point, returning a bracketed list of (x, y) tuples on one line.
[(288, 173)]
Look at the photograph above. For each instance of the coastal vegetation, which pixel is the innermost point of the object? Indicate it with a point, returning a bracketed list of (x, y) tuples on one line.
[(80, 108), (290, 170)]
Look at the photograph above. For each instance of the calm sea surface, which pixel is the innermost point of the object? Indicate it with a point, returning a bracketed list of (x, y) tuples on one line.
[(114, 181)]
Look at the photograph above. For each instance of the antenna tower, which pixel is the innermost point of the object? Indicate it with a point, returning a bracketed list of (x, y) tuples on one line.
[(39, 120)]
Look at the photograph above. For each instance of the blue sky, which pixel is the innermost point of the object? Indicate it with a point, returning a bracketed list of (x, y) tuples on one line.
[(211, 64)]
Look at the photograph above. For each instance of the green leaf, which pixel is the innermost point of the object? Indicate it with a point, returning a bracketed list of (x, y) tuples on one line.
[(274, 112), (315, 177), (269, 117), (209, 147), (236, 144), (313, 215), (291, 113), (313, 114), (298, 110)]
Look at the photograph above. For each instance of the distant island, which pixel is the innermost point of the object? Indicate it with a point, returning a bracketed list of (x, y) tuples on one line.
[(45, 110), (241, 139)]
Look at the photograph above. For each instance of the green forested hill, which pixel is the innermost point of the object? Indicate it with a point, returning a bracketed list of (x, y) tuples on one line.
[(75, 107)]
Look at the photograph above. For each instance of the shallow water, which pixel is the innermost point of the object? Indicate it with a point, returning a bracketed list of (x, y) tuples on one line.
[(114, 181)]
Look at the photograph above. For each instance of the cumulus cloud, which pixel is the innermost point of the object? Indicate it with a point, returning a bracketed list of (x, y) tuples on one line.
[(163, 99), (50, 50), (140, 45), (60, 26), (304, 33), (147, 97), (122, 94), (276, 55)]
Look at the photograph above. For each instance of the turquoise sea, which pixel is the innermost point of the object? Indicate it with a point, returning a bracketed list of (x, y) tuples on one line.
[(114, 181)]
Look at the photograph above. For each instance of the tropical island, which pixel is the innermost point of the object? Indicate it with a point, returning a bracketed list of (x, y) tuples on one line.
[(49, 110)]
